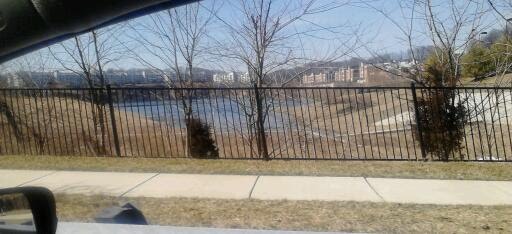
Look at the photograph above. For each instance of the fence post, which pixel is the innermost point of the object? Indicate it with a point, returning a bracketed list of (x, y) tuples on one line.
[(113, 120), (261, 136), (419, 127)]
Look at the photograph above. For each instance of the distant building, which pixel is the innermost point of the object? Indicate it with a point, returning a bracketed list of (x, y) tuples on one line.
[(13, 81), (68, 79), (232, 77), (131, 77), (245, 78), (315, 78), (203, 76), (362, 74), (375, 75), (225, 77), (341, 74)]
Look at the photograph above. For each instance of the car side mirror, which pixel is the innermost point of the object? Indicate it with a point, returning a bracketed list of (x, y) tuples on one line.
[(27, 210)]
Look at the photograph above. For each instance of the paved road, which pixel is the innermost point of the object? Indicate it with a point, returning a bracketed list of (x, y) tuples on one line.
[(86, 228), (419, 191)]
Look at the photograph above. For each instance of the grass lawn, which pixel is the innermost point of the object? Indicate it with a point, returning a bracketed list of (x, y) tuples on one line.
[(430, 170), (300, 215)]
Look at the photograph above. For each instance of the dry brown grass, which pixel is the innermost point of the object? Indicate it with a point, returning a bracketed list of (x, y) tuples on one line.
[(346, 120), (372, 127), (300, 215), (426, 170), (65, 126)]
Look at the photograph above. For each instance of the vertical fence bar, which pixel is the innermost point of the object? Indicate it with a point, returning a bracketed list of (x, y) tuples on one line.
[(262, 141), (419, 126), (120, 98), (219, 121), (113, 121), (80, 118), (50, 123), (507, 120), (492, 113), (413, 136), (319, 133), (272, 106), (226, 123), (463, 102), (349, 142), (367, 123), (470, 122), (154, 123), (292, 125), (166, 119), (360, 123), (4, 149), (213, 124), (332, 125), (310, 122), (29, 121), (173, 121), (231, 126), (379, 109), (71, 119), (287, 127), (396, 123), (404, 127), (14, 127), (240, 109), (497, 105), (145, 132)]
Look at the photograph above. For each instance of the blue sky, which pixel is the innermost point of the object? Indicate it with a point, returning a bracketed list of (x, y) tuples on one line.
[(375, 32)]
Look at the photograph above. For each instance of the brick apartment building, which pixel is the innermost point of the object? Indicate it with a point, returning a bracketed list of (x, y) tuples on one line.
[(364, 73)]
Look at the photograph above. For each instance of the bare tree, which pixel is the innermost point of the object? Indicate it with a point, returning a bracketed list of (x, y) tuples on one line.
[(87, 56), (450, 27), (263, 36), (500, 7), (176, 38), (25, 67), (30, 71)]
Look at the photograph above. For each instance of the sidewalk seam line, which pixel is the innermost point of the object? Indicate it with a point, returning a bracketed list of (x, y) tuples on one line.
[(38, 178), (373, 189), (253, 186), (139, 184)]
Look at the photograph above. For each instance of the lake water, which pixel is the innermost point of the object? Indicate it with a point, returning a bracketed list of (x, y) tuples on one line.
[(222, 114)]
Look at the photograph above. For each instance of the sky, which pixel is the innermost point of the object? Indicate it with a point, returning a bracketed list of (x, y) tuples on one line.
[(356, 22), (362, 26)]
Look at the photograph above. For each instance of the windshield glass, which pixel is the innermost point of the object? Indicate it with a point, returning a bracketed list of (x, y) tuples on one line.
[(298, 115)]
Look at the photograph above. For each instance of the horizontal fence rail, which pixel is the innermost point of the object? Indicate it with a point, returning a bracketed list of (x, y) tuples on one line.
[(258, 123)]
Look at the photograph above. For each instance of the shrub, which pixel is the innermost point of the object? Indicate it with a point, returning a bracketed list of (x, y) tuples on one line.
[(477, 63), (442, 121), (442, 115), (201, 143), (500, 53)]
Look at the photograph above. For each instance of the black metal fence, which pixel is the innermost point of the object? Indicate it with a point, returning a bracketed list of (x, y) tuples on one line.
[(249, 123)]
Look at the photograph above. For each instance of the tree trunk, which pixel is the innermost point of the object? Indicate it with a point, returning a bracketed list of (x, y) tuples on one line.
[(11, 119)]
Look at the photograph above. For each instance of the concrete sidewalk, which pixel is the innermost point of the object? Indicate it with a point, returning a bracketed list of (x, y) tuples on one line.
[(100, 228), (442, 192)]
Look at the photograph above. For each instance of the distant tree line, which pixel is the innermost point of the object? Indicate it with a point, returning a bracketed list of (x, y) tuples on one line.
[(488, 56)]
